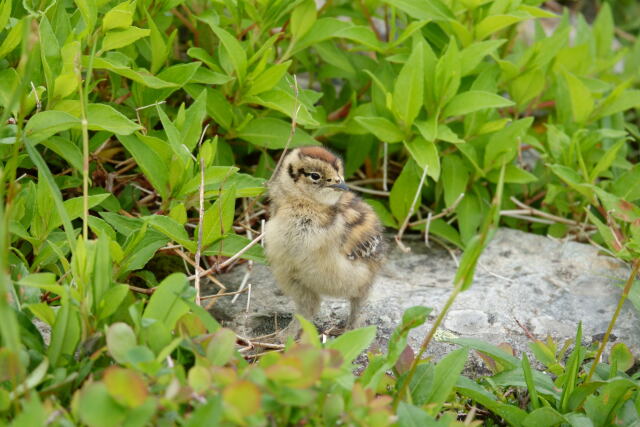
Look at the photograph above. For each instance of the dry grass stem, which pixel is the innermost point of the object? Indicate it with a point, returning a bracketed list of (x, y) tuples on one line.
[(292, 131), (146, 291), (241, 252), (200, 217), (226, 294), (398, 236), (248, 298), (368, 190), (536, 212), (385, 166), (445, 212)]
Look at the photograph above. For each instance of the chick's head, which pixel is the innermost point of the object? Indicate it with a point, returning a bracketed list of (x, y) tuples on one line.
[(315, 172)]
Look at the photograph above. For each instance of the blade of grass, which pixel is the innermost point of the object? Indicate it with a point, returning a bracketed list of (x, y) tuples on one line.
[(625, 293), (463, 278), (528, 377)]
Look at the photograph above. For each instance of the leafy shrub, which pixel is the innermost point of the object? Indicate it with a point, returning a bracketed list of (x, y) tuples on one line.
[(130, 130)]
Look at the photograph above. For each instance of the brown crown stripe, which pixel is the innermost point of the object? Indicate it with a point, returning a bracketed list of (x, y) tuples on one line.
[(321, 154)]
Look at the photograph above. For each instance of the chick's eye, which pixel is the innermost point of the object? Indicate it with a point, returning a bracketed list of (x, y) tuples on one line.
[(315, 176)]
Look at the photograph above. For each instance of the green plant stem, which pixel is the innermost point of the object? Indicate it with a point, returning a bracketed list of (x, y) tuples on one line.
[(462, 280), (614, 318), (85, 155)]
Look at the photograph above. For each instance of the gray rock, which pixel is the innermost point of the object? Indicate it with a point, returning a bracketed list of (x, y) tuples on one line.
[(525, 284)]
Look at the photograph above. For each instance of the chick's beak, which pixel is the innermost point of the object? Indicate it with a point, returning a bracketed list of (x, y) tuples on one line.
[(340, 186)]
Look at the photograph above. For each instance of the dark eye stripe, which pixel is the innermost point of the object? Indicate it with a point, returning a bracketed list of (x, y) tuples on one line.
[(312, 175)]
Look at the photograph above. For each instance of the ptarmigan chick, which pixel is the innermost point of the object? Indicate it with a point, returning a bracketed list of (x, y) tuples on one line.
[(321, 239)]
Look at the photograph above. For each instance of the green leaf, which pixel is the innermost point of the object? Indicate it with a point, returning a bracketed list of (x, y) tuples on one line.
[(105, 117), (528, 377), (544, 417), (411, 416), (446, 374), (141, 76), (473, 54), (268, 78), (222, 347), (192, 127), (408, 89), (381, 128), (120, 339), (213, 177), (455, 177), (65, 333), (573, 179), (66, 149), (125, 386), (97, 408), (495, 23), (352, 343), (622, 356), (173, 230), (527, 87), (120, 16), (474, 100), (166, 304), (273, 133), (12, 40), (580, 97), (232, 244), (605, 162), (302, 19), (218, 219), (425, 153), (233, 49), (505, 359), (511, 413), (422, 383), (115, 39), (47, 123), (149, 161), (89, 12), (618, 102), (322, 29), (447, 75), (512, 175), (404, 190), (5, 13), (432, 10), (112, 300)]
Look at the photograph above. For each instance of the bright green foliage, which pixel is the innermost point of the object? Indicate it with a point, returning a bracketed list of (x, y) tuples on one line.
[(114, 115)]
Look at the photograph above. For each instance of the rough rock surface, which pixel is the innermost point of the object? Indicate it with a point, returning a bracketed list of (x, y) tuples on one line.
[(546, 285)]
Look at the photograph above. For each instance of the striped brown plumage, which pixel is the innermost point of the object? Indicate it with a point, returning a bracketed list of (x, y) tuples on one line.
[(321, 239)]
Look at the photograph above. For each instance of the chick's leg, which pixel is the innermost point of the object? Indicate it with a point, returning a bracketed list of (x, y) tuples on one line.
[(307, 305), (354, 315)]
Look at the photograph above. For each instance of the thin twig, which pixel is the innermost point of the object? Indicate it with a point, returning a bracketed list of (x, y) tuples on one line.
[(292, 131), (227, 294), (147, 291), (203, 272), (219, 267), (368, 190), (542, 214), (38, 102), (257, 355), (248, 298), (385, 166), (200, 216), (259, 344), (398, 236), (442, 214), (426, 229), (516, 215), (625, 293)]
